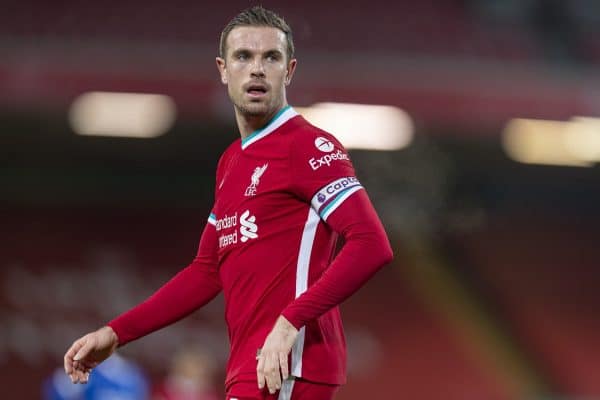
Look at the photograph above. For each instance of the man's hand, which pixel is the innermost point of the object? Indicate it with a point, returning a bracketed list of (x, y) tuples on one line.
[(273, 356), (89, 351)]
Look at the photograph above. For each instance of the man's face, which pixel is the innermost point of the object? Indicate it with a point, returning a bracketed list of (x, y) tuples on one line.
[(256, 69)]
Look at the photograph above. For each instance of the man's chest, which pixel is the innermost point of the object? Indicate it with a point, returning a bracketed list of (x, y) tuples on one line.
[(251, 181), (254, 200)]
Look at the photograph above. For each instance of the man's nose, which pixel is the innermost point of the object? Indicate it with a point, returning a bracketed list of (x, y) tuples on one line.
[(258, 69)]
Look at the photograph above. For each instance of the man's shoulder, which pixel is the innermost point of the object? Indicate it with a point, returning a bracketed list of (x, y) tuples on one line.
[(235, 146), (230, 150), (303, 135)]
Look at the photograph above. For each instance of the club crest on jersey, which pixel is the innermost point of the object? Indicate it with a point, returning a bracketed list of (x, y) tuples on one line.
[(255, 180)]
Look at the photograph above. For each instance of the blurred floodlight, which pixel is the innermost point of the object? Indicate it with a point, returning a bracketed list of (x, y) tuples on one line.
[(359, 126), (533, 141), (122, 114), (583, 138)]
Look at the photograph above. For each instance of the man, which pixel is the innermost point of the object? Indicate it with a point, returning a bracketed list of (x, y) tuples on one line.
[(284, 191)]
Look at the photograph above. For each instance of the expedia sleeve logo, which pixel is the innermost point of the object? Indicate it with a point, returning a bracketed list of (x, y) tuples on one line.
[(326, 146), (333, 194), (327, 159)]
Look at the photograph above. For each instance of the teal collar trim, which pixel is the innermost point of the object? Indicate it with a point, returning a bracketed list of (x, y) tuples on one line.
[(279, 119)]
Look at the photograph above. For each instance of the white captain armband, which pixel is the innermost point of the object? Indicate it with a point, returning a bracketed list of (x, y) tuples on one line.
[(332, 195)]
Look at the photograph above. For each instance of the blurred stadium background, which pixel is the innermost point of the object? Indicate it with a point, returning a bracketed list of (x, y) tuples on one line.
[(492, 207)]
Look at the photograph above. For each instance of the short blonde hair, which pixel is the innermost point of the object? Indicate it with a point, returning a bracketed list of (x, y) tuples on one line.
[(257, 16)]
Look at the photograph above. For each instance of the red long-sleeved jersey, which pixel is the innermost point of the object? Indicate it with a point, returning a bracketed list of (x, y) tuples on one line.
[(282, 196)]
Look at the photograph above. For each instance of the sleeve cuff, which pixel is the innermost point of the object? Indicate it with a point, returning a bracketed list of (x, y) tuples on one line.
[(293, 319), (115, 327)]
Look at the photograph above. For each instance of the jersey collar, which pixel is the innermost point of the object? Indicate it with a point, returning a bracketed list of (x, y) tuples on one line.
[(284, 115)]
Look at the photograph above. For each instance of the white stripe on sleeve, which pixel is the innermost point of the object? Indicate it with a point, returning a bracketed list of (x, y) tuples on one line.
[(306, 245)]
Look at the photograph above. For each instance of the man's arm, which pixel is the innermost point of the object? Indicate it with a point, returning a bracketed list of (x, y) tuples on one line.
[(365, 251), (190, 289)]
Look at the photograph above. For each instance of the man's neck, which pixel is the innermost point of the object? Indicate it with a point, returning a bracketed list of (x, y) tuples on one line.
[(247, 124)]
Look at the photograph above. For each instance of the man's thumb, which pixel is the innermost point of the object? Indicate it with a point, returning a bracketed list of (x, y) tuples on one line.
[(83, 352)]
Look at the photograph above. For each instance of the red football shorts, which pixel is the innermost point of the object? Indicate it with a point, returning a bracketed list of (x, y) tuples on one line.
[(297, 389)]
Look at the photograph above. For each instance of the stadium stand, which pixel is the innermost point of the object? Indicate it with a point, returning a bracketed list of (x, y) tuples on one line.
[(542, 276)]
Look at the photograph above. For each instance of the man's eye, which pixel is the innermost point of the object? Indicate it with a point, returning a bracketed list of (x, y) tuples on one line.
[(242, 56)]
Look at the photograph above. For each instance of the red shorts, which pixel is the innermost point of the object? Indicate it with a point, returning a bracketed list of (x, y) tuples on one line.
[(297, 389)]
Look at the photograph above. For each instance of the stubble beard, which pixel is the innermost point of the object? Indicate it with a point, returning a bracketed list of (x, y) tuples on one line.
[(251, 110)]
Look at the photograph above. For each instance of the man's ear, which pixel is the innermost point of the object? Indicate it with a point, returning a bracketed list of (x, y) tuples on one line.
[(222, 69), (290, 71)]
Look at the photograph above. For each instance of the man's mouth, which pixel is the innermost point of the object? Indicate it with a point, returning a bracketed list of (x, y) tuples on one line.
[(256, 90)]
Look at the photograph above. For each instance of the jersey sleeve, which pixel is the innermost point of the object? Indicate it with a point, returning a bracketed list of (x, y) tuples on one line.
[(321, 172), (325, 177), (190, 289), (365, 251)]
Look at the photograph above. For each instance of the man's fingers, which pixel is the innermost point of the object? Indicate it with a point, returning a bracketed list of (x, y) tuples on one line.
[(272, 372), (68, 359), (267, 372), (283, 364), (260, 372), (80, 359), (84, 377), (80, 373), (274, 354), (76, 376), (271, 385), (67, 364)]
